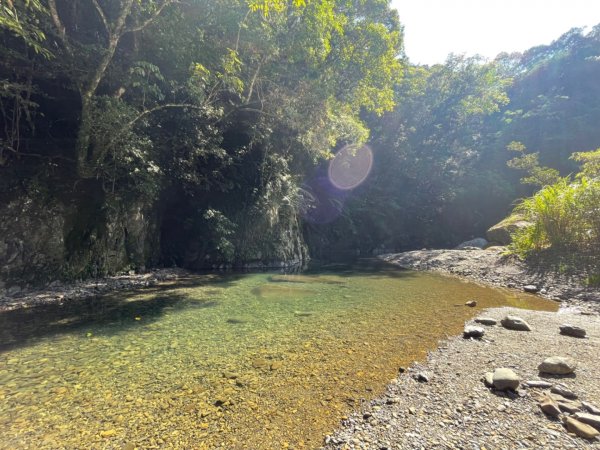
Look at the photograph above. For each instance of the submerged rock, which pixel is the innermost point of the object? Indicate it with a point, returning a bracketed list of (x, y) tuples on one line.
[(558, 365), (471, 303), (515, 323)]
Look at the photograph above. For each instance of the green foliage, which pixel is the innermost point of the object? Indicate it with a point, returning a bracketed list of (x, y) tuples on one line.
[(22, 18), (590, 163), (529, 162), (565, 218)]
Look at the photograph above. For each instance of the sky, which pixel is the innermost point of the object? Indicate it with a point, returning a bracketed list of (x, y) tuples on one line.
[(435, 28)]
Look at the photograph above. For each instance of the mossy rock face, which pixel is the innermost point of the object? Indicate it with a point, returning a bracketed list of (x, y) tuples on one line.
[(502, 232)]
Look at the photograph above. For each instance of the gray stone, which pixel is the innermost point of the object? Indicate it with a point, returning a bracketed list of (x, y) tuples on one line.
[(486, 321), (473, 332), (538, 384), (571, 330), (558, 365), (532, 288), (569, 406), (478, 243), (590, 419), (591, 408), (504, 379), (563, 390), (515, 323)]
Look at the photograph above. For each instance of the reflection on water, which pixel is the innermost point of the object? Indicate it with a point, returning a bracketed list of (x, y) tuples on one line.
[(222, 361)]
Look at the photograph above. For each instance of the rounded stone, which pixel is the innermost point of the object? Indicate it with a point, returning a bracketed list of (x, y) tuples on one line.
[(558, 365), (505, 379)]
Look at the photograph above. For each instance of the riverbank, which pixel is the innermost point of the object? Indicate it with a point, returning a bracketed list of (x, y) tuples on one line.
[(493, 267), (442, 402), (455, 409), (58, 292)]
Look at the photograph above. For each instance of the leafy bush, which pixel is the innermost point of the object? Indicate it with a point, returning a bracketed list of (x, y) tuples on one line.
[(565, 217)]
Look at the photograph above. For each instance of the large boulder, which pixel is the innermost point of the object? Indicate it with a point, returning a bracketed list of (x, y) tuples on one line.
[(501, 232)]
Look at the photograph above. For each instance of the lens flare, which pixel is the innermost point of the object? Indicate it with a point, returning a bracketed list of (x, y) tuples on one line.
[(350, 167)]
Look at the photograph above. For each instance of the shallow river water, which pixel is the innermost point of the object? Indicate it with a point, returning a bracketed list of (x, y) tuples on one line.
[(239, 361)]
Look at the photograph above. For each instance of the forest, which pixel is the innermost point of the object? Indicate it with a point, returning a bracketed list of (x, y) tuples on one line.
[(202, 134)]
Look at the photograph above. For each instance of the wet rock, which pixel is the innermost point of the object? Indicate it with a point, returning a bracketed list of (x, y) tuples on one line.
[(515, 323), (473, 332), (260, 363), (557, 365), (303, 313), (571, 330), (486, 321), (580, 429), (504, 379), (471, 303), (590, 419), (531, 288), (549, 406), (538, 384), (563, 390)]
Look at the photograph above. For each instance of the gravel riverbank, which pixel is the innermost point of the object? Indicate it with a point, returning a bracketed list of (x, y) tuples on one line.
[(455, 410), (493, 267), (443, 403)]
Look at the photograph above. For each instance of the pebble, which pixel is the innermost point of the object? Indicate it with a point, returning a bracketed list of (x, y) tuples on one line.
[(558, 365), (532, 288), (591, 408), (471, 303)]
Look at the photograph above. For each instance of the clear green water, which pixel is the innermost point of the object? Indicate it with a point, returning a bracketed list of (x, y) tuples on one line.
[(255, 361)]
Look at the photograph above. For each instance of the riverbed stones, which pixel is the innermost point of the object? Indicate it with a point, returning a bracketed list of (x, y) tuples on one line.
[(505, 379), (558, 365), (471, 304), (571, 330), (549, 406), (515, 323), (580, 429), (590, 419), (488, 321), (538, 384), (563, 390), (471, 331), (591, 408)]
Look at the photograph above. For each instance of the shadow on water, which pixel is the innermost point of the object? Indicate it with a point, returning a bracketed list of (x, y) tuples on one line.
[(109, 314), (366, 267)]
